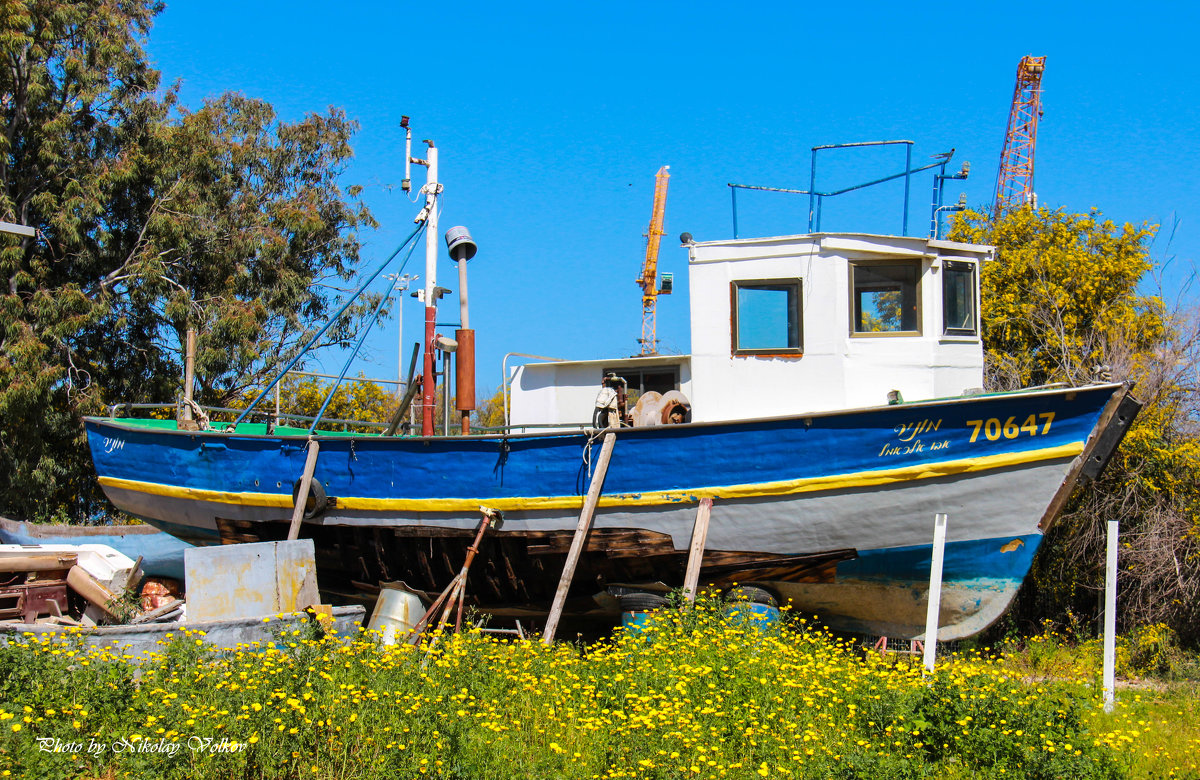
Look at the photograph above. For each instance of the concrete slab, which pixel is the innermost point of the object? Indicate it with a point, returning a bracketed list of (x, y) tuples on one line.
[(250, 580)]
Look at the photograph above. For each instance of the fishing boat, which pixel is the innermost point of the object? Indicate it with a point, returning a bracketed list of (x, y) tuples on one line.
[(830, 406)]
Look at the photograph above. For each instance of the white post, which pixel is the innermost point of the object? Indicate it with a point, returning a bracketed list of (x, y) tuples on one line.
[(935, 590), (401, 285), (1110, 618)]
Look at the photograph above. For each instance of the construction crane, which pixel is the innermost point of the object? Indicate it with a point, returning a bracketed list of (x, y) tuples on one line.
[(1014, 183), (648, 281)]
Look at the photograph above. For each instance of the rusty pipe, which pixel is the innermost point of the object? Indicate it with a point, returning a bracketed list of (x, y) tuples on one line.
[(464, 376), (489, 515)]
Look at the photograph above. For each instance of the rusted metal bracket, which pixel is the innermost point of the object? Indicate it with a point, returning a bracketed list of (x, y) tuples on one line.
[(455, 593)]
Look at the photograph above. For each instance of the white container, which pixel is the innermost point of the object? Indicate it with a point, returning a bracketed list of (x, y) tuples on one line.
[(110, 567), (396, 613)]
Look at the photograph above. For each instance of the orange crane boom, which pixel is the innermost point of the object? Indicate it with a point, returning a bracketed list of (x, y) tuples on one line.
[(1014, 183), (648, 281)]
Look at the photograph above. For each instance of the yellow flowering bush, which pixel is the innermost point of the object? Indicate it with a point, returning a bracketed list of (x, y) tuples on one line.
[(695, 694)]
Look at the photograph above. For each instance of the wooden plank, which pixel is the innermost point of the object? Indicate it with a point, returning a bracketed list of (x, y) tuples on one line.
[(310, 465), (39, 562), (581, 531), (159, 612), (1072, 478), (696, 552), (426, 568)]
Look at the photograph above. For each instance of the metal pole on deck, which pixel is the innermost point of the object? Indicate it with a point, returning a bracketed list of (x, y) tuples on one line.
[(1110, 618), (462, 248), (935, 590), (431, 219)]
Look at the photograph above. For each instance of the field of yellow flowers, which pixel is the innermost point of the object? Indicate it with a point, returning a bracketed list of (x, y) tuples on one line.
[(701, 693)]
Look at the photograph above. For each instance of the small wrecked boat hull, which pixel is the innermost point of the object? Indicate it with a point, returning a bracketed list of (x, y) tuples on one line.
[(833, 511), (161, 553), (138, 643)]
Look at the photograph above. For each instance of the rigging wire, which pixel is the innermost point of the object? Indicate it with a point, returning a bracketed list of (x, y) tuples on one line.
[(417, 230), (366, 329)]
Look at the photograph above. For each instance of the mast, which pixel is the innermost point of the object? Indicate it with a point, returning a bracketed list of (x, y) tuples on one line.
[(430, 292)]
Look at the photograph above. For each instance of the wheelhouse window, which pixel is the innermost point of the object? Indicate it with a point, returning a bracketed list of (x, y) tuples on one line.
[(885, 298), (767, 317), (958, 298), (660, 379)]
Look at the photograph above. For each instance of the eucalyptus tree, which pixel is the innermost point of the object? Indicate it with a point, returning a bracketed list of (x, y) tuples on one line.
[(151, 219)]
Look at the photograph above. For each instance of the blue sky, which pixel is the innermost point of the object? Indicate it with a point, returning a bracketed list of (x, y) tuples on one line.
[(551, 120)]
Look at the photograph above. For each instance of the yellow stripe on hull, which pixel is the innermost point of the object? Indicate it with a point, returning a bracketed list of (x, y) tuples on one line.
[(649, 498)]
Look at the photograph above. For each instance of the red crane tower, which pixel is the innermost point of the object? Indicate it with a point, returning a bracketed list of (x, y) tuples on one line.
[(1014, 184)]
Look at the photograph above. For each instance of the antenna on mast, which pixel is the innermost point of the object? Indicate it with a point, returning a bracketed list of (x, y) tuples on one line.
[(406, 183)]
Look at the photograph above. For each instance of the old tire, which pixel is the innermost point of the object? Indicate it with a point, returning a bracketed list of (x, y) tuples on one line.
[(641, 602), (315, 503), (754, 595)]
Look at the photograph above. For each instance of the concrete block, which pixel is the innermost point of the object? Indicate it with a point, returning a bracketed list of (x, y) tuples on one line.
[(249, 580)]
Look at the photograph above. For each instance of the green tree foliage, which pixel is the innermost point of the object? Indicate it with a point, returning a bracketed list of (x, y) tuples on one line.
[(248, 219), (152, 219), (1063, 303)]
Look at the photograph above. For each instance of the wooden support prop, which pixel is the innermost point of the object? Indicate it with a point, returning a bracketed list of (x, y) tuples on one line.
[(696, 552), (581, 532), (189, 373), (135, 576), (310, 465)]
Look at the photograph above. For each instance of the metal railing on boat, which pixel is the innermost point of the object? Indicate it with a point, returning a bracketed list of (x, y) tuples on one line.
[(117, 411)]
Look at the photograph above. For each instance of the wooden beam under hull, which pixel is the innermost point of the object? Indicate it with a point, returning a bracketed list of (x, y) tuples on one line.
[(520, 569)]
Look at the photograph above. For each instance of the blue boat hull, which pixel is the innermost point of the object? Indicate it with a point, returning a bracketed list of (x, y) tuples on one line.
[(834, 511), (161, 553)]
